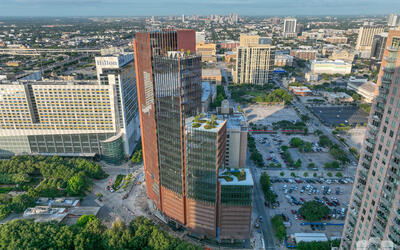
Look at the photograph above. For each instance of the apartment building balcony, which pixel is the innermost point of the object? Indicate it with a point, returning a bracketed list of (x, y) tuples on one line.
[(393, 49), (370, 143), (376, 118), (380, 215), (383, 90), (386, 202), (373, 128), (379, 225), (395, 239), (390, 59), (379, 109), (381, 99), (389, 69), (389, 194)]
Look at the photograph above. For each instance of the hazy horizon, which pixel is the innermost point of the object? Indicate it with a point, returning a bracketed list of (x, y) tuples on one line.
[(118, 8)]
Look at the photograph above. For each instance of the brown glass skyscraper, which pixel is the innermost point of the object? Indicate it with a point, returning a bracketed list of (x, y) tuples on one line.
[(184, 158)]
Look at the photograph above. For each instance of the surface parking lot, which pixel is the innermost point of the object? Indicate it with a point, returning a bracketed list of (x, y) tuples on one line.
[(269, 145), (292, 192), (333, 116)]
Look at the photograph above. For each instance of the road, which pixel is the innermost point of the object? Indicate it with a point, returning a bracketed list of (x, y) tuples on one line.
[(258, 204), (260, 210)]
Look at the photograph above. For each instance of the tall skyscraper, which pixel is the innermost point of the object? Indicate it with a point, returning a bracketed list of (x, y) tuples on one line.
[(289, 27), (184, 154), (393, 20), (73, 118), (255, 61), (374, 204), (365, 38), (378, 46)]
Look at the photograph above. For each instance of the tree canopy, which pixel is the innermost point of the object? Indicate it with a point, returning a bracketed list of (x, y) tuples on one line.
[(141, 233), (313, 211)]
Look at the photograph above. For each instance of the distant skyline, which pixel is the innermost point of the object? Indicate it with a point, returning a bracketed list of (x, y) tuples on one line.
[(200, 7)]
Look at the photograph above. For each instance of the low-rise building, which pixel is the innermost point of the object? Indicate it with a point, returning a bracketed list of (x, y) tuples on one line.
[(207, 51), (337, 39), (344, 55), (304, 54), (310, 77), (212, 75), (339, 97), (330, 67), (363, 87), (13, 63), (283, 60), (301, 91)]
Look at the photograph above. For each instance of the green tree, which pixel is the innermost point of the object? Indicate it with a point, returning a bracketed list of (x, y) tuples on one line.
[(298, 163), (315, 175), (339, 174), (292, 174), (85, 219), (305, 174), (307, 147), (279, 227), (266, 187), (296, 142), (77, 184), (282, 173), (324, 141), (313, 211), (329, 174), (21, 202)]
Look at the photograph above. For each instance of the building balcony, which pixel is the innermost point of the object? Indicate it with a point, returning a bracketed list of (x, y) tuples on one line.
[(395, 239), (379, 109), (373, 127), (389, 69), (379, 225), (370, 143), (390, 59), (376, 118), (381, 99), (386, 203), (393, 49), (384, 91), (385, 80), (389, 194)]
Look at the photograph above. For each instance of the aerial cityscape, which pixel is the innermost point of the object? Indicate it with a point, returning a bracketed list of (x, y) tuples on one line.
[(239, 130)]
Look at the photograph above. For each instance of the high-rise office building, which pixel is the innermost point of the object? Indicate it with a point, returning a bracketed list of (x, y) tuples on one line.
[(184, 156), (289, 27), (378, 46), (393, 20), (365, 38), (374, 204), (73, 118), (255, 61)]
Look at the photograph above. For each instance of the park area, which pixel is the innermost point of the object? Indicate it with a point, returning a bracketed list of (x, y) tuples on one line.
[(25, 178)]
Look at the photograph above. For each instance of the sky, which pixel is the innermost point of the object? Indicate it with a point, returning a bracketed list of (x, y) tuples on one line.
[(199, 7)]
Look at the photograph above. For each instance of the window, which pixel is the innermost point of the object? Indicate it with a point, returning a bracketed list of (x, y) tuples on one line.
[(391, 133)]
